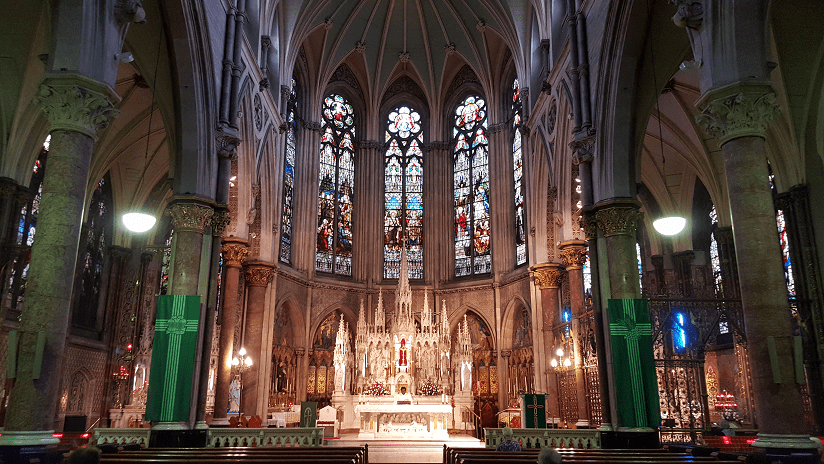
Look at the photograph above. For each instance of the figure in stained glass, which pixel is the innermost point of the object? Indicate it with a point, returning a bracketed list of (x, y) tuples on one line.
[(333, 252), (471, 189), (517, 163), (288, 177)]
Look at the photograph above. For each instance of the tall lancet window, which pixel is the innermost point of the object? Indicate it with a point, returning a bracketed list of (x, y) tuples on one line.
[(715, 257), (403, 194), (471, 187), (518, 174), (337, 176), (783, 240), (288, 177)]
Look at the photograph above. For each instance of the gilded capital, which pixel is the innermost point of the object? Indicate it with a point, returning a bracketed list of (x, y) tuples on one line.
[(741, 114), (547, 275), (76, 103), (259, 275), (618, 220), (234, 253), (573, 254), (220, 220), (190, 217)]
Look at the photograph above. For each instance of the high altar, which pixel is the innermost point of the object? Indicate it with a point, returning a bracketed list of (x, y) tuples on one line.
[(416, 357)]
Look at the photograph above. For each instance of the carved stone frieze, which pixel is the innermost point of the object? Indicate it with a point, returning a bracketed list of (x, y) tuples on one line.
[(573, 254), (76, 103), (618, 220), (547, 275), (190, 217), (259, 274), (738, 115), (234, 253)]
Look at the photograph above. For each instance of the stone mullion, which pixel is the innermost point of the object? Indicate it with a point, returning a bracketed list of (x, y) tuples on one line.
[(258, 276), (799, 222), (234, 254), (737, 115), (76, 107), (573, 255)]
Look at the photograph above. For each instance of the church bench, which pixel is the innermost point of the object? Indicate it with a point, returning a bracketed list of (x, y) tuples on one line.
[(450, 453), (588, 460), (306, 459), (359, 454), (471, 455)]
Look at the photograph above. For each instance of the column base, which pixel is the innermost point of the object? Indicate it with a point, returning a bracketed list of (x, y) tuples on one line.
[(219, 422), (201, 425), (28, 438), (784, 444)]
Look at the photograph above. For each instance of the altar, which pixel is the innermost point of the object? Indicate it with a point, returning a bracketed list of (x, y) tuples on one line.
[(422, 421)]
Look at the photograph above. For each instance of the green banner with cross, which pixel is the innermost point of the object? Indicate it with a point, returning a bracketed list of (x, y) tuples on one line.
[(636, 383), (533, 411), (173, 358)]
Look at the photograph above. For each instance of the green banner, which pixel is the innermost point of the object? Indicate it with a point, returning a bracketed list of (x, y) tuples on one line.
[(173, 358), (636, 383), (308, 413), (533, 411)]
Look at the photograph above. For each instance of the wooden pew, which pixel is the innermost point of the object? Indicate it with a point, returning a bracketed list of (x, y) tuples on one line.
[(329, 455), (575, 456)]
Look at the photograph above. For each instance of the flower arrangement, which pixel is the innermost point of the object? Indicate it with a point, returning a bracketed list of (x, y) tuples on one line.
[(376, 389), (428, 389)]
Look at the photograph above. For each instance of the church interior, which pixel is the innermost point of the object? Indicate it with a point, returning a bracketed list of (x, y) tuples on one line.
[(471, 201)]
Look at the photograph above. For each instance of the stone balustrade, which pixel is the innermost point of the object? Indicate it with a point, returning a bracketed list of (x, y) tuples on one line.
[(542, 438), (104, 436), (284, 437)]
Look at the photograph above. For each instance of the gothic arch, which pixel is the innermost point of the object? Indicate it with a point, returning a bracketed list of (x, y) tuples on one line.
[(509, 322)]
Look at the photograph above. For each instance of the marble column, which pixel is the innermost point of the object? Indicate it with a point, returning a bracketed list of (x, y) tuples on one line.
[(738, 115), (573, 255), (616, 222), (258, 276), (76, 107), (548, 277), (235, 251)]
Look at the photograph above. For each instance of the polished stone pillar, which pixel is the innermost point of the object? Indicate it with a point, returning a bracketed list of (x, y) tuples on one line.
[(548, 277), (76, 107), (737, 115), (258, 276), (235, 251), (573, 255), (615, 222)]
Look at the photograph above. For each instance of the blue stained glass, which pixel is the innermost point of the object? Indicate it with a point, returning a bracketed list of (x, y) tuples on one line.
[(403, 184), (333, 249), (679, 332), (517, 166), (471, 189)]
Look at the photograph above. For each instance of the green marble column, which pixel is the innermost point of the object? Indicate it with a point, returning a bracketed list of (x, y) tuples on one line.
[(76, 107), (738, 115)]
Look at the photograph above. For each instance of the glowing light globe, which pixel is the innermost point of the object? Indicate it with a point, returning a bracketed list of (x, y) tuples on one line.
[(138, 222), (670, 225)]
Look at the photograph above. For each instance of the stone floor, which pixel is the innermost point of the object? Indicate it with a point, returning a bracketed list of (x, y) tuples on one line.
[(405, 451)]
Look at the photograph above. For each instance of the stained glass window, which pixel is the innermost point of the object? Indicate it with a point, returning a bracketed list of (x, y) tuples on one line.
[(640, 266), (783, 240), (471, 187), (518, 174), (680, 338), (587, 274), (288, 177), (93, 247), (166, 263), (715, 258), (15, 286), (403, 193), (333, 252)]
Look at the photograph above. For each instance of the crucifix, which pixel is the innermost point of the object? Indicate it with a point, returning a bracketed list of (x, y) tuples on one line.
[(535, 407)]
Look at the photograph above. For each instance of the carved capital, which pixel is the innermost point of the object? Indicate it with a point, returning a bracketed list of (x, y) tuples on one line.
[(234, 253), (265, 42), (573, 254), (547, 275), (190, 217), (360, 46), (495, 128), (590, 226), (129, 11), (689, 13), (311, 125), (450, 48), (76, 103), (618, 219), (583, 149), (259, 274), (220, 220), (738, 115)]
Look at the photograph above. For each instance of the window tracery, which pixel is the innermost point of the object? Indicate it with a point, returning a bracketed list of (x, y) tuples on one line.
[(471, 188), (403, 193), (333, 252), (288, 177)]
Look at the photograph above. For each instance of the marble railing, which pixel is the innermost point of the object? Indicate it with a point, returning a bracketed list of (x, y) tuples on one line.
[(121, 436), (286, 437), (542, 438)]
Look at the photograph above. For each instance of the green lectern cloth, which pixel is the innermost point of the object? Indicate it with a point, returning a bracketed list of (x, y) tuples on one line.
[(635, 379), (533, 411), (173, 358), (308, 413)]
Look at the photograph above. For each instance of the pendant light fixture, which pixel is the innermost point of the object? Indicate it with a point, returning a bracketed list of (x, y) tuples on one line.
[(666, 225), (138, 221)]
